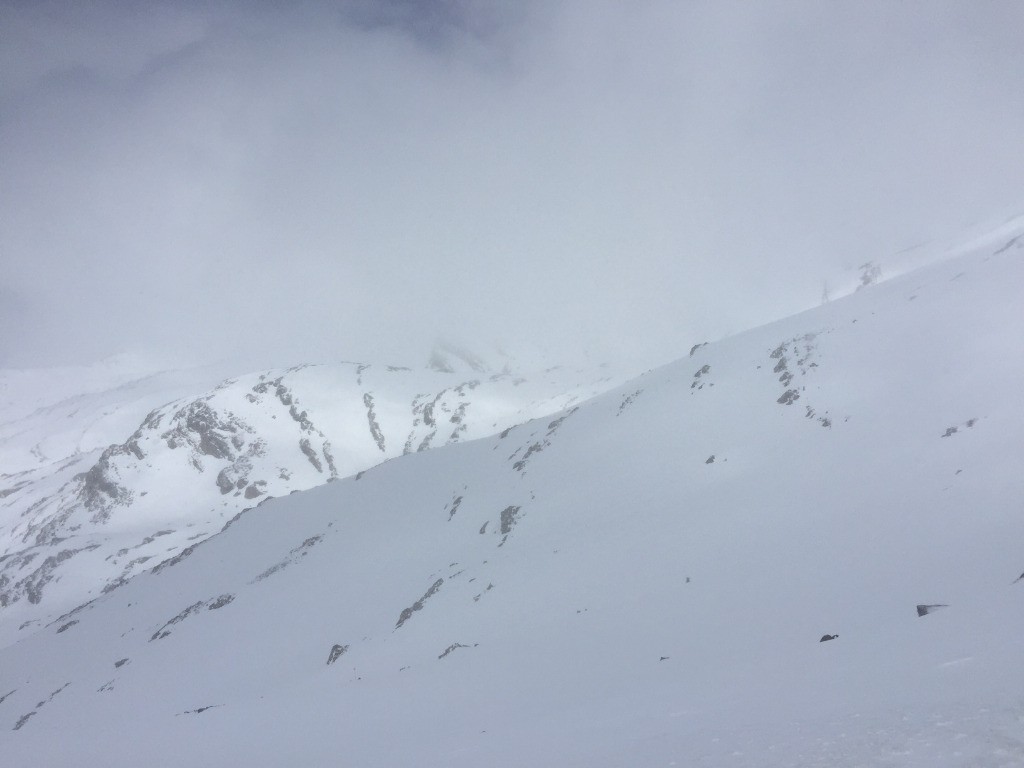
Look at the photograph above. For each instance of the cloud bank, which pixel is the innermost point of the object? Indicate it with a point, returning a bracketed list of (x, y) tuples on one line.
[(358, 180)]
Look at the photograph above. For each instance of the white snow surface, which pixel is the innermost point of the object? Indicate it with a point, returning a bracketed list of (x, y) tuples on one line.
[(592, 589), (99, 486)]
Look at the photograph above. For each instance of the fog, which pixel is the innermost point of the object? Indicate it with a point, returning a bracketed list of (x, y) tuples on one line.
[(563, 178)]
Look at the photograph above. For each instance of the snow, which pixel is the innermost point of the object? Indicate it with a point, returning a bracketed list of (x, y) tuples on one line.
[(92, 487), (587, 545)]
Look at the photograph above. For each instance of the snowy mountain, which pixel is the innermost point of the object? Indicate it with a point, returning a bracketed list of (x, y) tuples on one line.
[(645, 578), (102, 485)]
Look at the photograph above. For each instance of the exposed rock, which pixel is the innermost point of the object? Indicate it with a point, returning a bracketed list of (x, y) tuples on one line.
[(509, 517), (828, 637), (164, 631), (306, 447), (211, 604), (375, 430), (454, 507), (703, 371), (220, 602), (177, 558), (13, 489), (428, 411), (950, 431), (216, 435), (253, 489), (329, 458), (225, 481), (337, 651), (628, 400), (100, 492), (39, 705), (459, 415), (924, 610), (32, 585), (520, 465), (202, 428), (418, 605), (200, 710), (453, 646), (1009, 244), (788, 397), (293, 555), (870, 273), (554, 425)]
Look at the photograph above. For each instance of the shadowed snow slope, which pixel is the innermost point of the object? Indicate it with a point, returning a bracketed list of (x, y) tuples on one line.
[(639, 580)]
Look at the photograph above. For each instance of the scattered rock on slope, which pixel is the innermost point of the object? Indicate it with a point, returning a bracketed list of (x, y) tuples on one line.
[(337, 651)]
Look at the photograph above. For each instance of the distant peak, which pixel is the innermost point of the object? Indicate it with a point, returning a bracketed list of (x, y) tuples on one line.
[(448, 358)]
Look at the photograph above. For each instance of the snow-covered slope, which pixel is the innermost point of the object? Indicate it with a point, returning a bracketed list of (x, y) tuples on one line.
[(50, 415), (985, 237), (79, 515), (640, 580)]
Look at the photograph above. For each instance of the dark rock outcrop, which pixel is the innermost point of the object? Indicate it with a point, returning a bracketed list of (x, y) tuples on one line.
[(337, 651), (418, 605)]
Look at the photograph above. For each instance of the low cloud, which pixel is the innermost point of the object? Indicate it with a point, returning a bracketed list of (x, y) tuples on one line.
[(358, 181)]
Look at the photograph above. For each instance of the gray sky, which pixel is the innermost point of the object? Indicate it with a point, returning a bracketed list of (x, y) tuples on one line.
[(357, 180)]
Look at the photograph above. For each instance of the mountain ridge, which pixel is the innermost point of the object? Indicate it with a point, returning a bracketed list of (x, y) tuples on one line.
[(640, 577), (95, 518)]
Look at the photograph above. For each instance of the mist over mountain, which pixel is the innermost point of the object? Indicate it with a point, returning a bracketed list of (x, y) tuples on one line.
[(354, 180), (475, 383), (646, 573)]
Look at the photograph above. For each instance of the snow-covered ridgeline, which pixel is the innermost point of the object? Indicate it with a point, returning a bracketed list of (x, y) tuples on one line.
[(641, 579), (81, 519)]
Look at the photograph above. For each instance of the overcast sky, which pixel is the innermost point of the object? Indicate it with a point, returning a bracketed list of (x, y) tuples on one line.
[(357, 180)]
